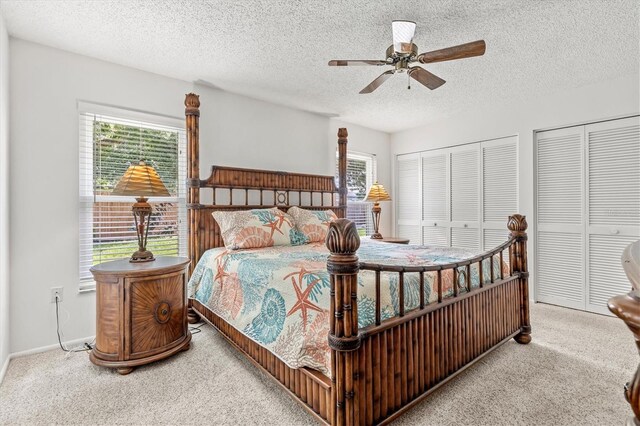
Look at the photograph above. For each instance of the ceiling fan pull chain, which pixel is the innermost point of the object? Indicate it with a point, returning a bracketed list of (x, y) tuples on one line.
[(408, 82)]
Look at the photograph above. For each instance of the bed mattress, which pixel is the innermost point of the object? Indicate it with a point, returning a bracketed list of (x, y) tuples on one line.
[(279, 296)]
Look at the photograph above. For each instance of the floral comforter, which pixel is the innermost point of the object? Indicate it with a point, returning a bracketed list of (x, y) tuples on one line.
[(279, 296)]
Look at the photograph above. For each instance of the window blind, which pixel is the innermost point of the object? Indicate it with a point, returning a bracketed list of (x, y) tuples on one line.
[(361, 174), (109, 143)]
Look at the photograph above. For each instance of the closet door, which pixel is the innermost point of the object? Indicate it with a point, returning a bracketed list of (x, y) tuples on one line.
[(465, 196), (435, 200), (499, 189), (408, 204), (560, 243), (613, 206)]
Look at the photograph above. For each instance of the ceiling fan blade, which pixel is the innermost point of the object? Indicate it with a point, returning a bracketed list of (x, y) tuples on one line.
[(352, 62), (425, 78), (403, 32), (377, 82), (467, 50)]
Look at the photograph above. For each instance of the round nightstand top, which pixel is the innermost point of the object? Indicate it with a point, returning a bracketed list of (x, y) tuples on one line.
[(124, 267), (393, 240)]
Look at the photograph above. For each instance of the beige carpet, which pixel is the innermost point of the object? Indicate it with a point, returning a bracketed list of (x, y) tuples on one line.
[(572, 373)]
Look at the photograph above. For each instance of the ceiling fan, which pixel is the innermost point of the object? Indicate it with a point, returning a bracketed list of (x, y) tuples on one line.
[(403, 53)]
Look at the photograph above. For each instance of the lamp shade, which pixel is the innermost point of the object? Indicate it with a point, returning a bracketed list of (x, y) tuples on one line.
[(377, 193), (403, 32), (141, 180)]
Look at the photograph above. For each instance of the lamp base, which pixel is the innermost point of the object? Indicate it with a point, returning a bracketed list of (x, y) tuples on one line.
[(142, 256), (375, 213), (141, 214)]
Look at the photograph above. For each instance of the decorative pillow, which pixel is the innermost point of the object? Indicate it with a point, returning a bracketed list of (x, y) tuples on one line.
[(257, 228), (312, 225)]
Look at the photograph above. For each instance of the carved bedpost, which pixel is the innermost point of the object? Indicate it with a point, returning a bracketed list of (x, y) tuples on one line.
[(192, 115), (517, 224), (627, 308), (342, 169), (343, 242)]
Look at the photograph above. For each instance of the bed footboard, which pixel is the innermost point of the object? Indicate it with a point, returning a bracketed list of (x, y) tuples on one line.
[(381, 370)]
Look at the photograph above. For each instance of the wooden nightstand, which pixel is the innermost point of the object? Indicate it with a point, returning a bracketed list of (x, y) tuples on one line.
[(141, 312), (392, 240)]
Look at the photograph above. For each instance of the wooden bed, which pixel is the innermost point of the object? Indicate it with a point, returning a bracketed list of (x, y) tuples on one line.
[(381, 370)]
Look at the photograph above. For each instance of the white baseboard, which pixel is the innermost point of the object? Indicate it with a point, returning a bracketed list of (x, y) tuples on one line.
[(68, 344), (4, 368)]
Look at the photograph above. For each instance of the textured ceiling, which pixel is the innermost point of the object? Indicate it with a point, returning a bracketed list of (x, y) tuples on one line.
[(277, 50)]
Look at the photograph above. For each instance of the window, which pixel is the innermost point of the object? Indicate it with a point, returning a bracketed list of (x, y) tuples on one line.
[(361, 174), (110, 140)]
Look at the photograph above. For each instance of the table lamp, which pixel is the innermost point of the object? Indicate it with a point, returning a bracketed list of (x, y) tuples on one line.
[(376, 194), (141, 181)]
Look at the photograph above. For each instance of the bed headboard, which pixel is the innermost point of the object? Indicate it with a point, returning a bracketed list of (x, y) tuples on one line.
[(233, 188)]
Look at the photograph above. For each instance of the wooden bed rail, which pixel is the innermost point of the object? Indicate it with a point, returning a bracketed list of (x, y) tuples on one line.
[(381, 370)]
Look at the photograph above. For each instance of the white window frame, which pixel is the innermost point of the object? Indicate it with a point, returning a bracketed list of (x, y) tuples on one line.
[(87, 197)]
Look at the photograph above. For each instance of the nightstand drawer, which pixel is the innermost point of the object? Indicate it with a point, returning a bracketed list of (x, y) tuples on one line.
[(156, 309)]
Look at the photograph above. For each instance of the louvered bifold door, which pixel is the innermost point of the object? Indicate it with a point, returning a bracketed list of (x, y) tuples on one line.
[(465, 196), (560, 243), (613, 206), (408, 204), (499, 189), (435, 198)]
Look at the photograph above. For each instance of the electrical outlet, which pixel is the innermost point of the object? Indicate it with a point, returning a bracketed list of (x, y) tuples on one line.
[(56, 291)]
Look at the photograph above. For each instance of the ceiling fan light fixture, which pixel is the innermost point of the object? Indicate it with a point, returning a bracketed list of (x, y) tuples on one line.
[(403, 53), (403, 32)]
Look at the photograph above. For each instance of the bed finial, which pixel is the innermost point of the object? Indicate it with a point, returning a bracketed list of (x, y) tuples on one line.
[(342, 133), (192, 104), (517, 224), (342, 237)]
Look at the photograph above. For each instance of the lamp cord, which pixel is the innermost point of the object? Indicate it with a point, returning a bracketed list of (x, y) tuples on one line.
[(85, 347), (89, 346), (196, 330)]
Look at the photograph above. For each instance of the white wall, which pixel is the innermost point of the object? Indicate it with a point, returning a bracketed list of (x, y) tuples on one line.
[(45, 86), (244, 132), (613, 98), (365, 140), (4, 196)]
